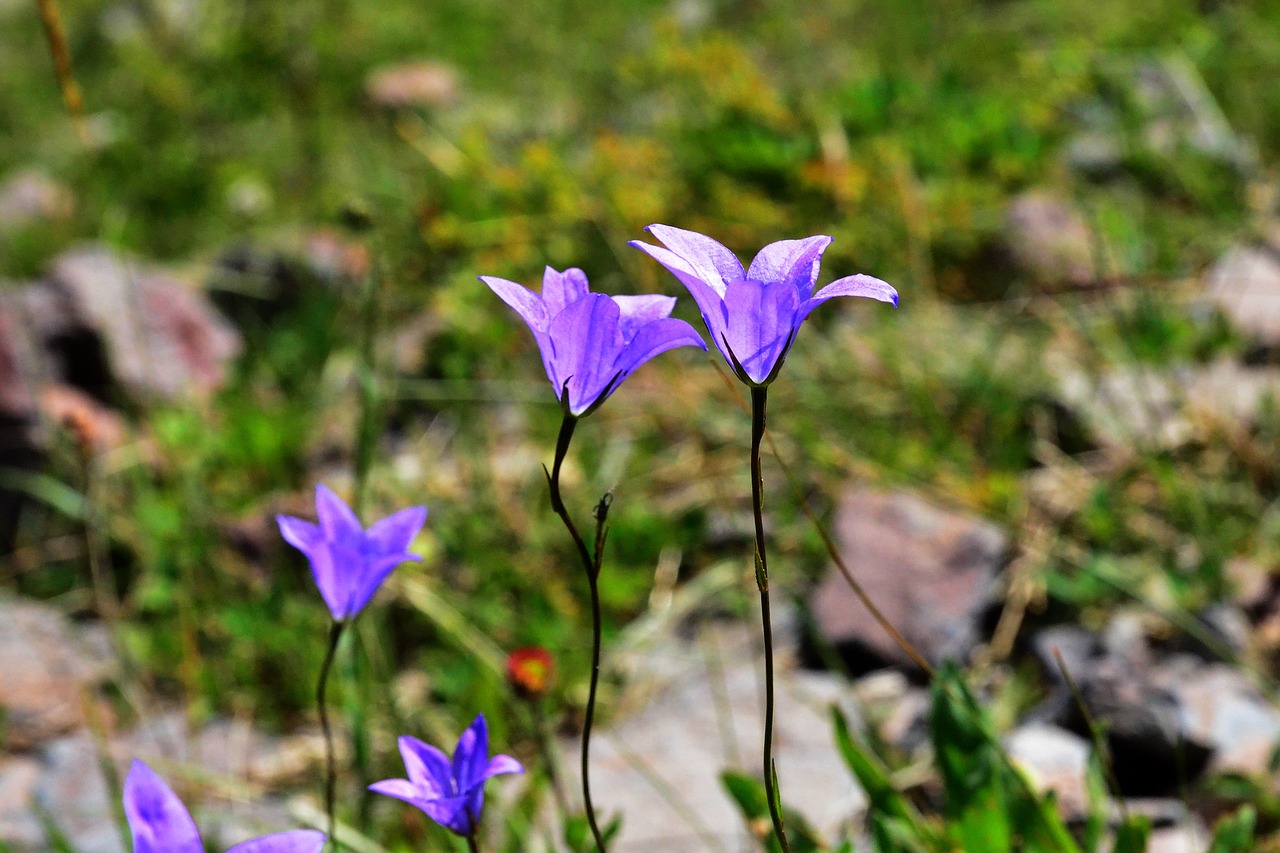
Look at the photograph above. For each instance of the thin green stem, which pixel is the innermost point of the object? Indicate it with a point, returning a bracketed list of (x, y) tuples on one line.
[(758, 399), (331, 765), (592, 567)]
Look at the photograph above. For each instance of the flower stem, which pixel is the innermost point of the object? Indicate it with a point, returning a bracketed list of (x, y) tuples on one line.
[(592, 567), (331, 766), (472, 844), (758, 399)]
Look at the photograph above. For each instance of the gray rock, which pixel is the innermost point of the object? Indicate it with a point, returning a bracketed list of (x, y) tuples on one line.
[(47, 673), (1055, 760), (161, 338), (74, 794), (1165, 408), (1245, 285), (19, 826), (932, 572), (1048, 241), (703, 716), (1220, 707)]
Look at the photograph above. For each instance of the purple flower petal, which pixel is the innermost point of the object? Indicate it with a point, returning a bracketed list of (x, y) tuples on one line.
[(337, 520), (401, 789), (793, 261), (636, 311), (560, 290), (428, 768), (854, 285), (303, 535), (656, 338), (471, 756), (588, 342), (160, 823), (709, 260), (529, 305), (395, 533), (761, 325), (298, 841), (500, 765)]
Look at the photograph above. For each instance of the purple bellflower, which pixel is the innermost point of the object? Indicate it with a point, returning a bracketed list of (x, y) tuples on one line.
[(450, 792), (349, 562), (591, 342), (160, 823), (754, 314)]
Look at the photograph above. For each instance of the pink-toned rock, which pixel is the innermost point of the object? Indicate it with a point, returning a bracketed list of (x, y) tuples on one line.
[(19, 827), (932, 573), (18, 354), (47, 673), (413, 84), (1245, 285), (1049, 241), (161, 337), (30, 196)]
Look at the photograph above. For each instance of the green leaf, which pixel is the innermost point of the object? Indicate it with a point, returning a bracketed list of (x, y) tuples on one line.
[(748, 792), (1234, 833)]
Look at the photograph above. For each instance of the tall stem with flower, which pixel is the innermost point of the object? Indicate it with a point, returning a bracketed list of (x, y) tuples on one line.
[(349, 564), (754, 315), (590, 343)]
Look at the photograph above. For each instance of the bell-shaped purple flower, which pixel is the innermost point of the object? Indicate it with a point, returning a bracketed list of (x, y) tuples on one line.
[(349, 562), (754, 314), (591, 342), (160, 823), (451, 792)]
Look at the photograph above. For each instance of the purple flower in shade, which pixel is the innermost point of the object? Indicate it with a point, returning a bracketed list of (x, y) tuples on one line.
[(754, 314), (450, 792), (349, 562), (591, 342), (161, 823)]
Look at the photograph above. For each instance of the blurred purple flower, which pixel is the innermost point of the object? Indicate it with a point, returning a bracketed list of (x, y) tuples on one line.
[(591, 342), (161, 823), (451, 793), (753, 315), (349, 562)]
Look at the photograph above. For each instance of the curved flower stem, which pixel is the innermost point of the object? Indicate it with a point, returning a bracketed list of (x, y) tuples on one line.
[(472, 844), (592, 567), (758, 399), (331, 767)]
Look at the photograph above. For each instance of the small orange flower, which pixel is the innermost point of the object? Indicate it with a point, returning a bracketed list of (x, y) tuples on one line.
[(530, 672)]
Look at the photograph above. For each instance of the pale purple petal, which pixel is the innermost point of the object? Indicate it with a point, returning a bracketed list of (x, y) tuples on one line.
[(374, 573), (792, 261), (453, 813), (761, 325), (562, 289), (337, 520), (303, 535), (525, 302), (401, 789), (395, 533), (638, 310), (656, 338), (500, 765), (428, 768), (588, 341), (471, 756), (333, 567), (854, 285), (160, 823), (298, 841), (709, 260)]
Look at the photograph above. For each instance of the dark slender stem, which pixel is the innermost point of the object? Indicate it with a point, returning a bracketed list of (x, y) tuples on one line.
[(331, 765), (758, 399), (592, 567), (472, 844)]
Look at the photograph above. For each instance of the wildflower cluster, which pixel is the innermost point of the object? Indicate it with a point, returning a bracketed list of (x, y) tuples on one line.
[(589, 343)]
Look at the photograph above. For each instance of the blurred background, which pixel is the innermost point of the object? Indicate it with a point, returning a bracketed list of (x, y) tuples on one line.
[(249, 263)]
